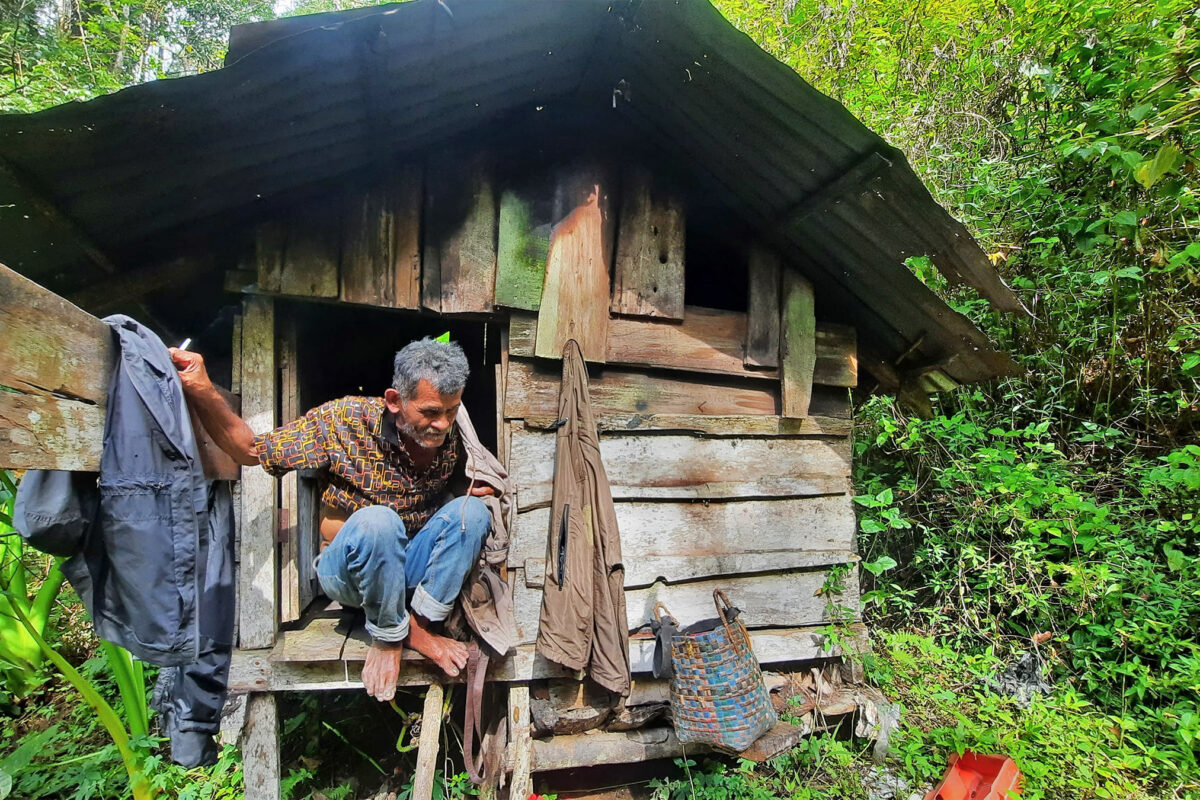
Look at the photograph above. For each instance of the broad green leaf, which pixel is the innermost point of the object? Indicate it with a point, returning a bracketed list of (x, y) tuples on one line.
[(872, 525), (1125, 218), (879, 565), (1175, 558), (1139, 113), (6, 783), (1151, 171)]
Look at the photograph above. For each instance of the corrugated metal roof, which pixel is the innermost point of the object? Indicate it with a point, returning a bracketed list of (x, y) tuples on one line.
[(310, 99)]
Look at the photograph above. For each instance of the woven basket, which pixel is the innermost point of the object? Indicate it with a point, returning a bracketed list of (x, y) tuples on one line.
[(718, 696)]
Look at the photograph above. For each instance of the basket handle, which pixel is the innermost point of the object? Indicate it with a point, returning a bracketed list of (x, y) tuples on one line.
[(722, 603), (661, 611)]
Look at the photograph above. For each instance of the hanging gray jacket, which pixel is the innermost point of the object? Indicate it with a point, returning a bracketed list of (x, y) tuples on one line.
[(136, 536)]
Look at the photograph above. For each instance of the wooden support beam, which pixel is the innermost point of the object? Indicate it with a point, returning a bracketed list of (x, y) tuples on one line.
[(762, 317), (257, 571), (290, 604), (798, 335), (861, 171), (260, 748), (520, 739), (427, 747)]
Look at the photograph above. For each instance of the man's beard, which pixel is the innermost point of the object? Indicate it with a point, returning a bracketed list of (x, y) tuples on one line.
[(428, 439)]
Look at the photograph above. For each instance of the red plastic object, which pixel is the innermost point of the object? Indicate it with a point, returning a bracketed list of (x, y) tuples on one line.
[(972, 776)]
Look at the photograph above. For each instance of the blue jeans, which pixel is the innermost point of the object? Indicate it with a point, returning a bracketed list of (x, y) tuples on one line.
[(373, 565)]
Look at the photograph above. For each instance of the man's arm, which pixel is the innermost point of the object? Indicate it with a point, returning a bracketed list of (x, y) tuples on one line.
[(228, 430)]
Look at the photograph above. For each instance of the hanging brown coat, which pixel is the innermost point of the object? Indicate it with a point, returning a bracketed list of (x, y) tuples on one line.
[(583, 623)]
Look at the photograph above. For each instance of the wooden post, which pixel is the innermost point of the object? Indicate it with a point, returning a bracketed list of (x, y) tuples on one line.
[(427, 747), (290, 603), (257, 590), (522, 741), (762, 318), (260, 748), (798, 334)]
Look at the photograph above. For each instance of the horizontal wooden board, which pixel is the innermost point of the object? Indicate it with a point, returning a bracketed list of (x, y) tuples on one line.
[(260, 671), (532, 390), (703, 529), (690, 468), (39, 432), (51, 347), (708, 340), (781, 599), (647, 570), (705, 425)]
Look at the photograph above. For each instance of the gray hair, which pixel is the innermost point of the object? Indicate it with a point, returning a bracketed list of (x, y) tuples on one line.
[(443, 364)]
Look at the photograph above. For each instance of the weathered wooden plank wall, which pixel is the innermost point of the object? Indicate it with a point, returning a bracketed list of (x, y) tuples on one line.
[(460, 234), (648, 274), (725, 433)]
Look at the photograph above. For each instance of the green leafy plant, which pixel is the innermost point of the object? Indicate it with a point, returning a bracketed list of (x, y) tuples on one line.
[(20, 657)]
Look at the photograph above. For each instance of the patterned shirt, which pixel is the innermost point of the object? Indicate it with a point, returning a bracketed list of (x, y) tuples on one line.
[(355, 442)]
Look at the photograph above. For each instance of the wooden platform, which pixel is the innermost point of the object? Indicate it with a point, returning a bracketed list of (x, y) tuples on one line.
[(325, 651)]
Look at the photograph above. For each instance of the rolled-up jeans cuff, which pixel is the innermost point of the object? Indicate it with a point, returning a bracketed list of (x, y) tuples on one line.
[(393, 634), (423, 603)]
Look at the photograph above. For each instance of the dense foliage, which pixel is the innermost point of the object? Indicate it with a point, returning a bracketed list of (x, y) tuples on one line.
[(1057, 511), (1060, 510)]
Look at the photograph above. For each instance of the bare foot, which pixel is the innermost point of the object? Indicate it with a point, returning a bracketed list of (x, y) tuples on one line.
[(382, 670), (448, 654)]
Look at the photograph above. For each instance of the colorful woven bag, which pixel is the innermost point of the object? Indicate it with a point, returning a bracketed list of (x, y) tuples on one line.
[(718, 697)]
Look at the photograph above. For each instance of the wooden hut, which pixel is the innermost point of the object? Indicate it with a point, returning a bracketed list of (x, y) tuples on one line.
[(727, 244)]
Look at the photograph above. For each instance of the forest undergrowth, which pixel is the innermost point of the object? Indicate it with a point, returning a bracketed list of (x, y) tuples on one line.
[(1057, 512)]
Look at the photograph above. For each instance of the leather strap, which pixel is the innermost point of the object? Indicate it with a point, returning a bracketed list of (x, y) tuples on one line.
[(480, 759)]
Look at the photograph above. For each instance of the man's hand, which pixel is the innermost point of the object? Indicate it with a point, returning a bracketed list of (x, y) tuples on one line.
[(382, 670), (482, 490), (192, 373)]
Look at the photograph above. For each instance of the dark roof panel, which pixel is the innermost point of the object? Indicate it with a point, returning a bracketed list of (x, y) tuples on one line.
[(307, 100)]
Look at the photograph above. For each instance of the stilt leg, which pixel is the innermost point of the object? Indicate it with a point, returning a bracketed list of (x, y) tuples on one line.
[(522, 742), (260, 748), (427, 747)]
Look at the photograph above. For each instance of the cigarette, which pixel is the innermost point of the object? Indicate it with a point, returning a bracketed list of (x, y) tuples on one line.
[(184, 344)]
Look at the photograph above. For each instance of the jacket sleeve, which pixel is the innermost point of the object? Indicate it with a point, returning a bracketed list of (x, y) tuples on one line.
[(55, 509)]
